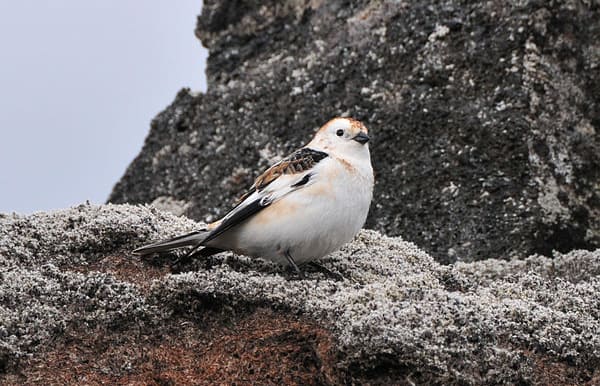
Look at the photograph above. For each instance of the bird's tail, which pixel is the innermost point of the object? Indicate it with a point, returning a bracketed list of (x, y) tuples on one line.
[(194, 238)]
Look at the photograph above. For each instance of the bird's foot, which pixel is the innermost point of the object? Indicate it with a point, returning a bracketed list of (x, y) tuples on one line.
[(332, 275)]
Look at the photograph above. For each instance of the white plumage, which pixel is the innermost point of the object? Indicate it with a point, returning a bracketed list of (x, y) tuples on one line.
[(302, 208)]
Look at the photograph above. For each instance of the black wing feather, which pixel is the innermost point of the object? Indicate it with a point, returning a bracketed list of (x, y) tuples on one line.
[(238, 217), (298, 162), (303, 181)]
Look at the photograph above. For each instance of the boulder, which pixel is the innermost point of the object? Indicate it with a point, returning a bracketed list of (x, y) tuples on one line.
[(484, 116)]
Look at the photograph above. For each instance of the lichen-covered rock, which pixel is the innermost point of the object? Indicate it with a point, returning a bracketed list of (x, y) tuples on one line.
[(69, 285), (484, 116)]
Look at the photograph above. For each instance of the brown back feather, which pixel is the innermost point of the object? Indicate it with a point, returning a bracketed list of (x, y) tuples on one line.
[(299, 161)]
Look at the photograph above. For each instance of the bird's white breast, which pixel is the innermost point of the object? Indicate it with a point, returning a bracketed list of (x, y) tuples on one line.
[(310, 222)]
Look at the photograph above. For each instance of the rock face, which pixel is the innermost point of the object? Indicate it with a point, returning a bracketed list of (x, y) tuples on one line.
[(484, 115), (76, 307)]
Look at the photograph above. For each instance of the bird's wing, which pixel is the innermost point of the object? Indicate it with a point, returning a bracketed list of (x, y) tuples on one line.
[(298, 162), (291, 173)]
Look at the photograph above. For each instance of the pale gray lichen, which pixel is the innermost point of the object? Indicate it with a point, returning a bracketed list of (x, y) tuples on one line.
[(468, 322)]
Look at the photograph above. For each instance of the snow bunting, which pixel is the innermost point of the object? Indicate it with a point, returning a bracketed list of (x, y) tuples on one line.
[(302, 208)]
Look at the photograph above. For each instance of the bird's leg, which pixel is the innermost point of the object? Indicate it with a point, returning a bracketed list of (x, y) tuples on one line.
[(290, 260), (326, 271)]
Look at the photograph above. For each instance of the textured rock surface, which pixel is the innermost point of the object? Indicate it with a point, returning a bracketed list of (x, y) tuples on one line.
[(485, 116), (76, 307)]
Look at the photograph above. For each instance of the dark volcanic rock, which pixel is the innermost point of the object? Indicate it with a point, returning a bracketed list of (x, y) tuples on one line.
[(484, 116)]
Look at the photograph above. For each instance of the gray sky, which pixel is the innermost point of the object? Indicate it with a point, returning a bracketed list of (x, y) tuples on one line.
[(80, 82)]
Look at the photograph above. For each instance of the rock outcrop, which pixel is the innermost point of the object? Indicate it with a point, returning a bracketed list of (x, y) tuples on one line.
[(484, 115), (76, 307)]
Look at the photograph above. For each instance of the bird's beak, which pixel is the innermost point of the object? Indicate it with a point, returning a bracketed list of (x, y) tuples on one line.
[(361, 138)]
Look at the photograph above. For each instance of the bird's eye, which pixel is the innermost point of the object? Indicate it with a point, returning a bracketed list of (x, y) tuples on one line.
[(339, 133)]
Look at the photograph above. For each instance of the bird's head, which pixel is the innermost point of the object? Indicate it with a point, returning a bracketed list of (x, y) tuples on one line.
[(344, 136)]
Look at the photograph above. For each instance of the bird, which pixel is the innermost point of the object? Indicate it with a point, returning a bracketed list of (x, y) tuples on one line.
[(300, 209)]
